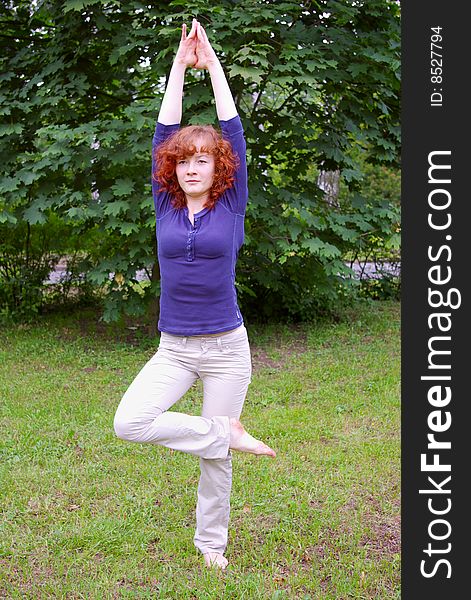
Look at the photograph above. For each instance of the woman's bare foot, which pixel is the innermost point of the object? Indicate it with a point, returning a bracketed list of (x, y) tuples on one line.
[(244, 442), (215, 559)]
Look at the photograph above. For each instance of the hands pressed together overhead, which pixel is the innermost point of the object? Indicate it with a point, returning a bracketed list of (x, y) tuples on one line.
[(194, 49)]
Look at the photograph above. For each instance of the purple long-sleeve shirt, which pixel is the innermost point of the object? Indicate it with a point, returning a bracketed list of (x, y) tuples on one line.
[(197, 262)]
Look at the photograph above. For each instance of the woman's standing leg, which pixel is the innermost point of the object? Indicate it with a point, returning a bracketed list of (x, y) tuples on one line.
[(226, 374)]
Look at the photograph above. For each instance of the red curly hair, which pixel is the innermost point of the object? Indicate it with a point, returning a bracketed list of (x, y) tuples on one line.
[(181, 144)]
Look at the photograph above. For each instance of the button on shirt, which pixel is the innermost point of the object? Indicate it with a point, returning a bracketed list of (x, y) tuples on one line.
[(197, 261)]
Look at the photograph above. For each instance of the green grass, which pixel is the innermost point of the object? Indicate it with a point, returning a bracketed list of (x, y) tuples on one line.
[(85, 515)]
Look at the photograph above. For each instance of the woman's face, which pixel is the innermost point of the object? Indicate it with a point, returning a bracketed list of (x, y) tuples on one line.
[(195, 174)]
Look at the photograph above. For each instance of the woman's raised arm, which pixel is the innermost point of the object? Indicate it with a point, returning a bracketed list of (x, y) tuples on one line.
[(207, 59), (171, 107)]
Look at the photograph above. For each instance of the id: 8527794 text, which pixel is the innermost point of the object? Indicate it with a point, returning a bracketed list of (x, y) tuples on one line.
[(436, 66)]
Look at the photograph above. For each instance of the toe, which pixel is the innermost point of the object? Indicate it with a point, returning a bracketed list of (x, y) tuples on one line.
[(215, 559)]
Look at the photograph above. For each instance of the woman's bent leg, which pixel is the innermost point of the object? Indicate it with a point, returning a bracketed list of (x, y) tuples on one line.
[(143, 416)]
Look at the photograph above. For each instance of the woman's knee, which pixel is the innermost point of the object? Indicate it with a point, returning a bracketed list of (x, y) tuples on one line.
[(123, 427), (131, 430), (127, 426), (134, 426)]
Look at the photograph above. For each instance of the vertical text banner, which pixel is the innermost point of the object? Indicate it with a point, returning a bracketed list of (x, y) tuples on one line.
[(436, 169)]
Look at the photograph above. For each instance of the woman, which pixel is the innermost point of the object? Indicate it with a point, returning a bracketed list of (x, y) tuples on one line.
[(200, 194)]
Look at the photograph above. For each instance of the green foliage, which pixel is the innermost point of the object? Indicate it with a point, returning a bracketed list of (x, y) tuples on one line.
[(26, 260), (24, 264), (80, 89), (385, 288)]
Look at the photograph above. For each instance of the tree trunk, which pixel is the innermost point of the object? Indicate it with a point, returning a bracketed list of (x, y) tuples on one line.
[(329, 183)]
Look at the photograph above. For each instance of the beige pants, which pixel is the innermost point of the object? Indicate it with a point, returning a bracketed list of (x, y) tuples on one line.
[(224, 365)]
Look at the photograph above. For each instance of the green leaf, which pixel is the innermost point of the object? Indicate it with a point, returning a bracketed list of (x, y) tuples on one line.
[(77, 5), (249, 74), (294, 230), (123, 187), (320, 248), (6, 217), (34, 215), (358, 68), (8, 184), (128, 228), (26, 176), (9, 128), (114, 208)]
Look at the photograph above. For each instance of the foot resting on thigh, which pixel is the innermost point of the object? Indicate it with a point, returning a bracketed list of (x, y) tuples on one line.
[(215, 559), (244, 442)]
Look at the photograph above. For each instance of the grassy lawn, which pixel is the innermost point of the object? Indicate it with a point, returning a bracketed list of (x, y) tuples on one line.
[(86, 515)]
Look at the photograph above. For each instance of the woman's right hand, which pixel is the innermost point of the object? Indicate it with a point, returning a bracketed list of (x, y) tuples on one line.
[(186, 53)]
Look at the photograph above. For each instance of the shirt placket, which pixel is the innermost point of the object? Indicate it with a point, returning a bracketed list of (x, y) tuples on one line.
[(190, 242)]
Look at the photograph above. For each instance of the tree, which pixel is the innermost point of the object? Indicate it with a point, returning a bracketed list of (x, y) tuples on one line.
[(81, 87)]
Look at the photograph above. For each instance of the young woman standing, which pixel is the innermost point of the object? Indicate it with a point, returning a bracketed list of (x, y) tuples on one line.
[(200, 194)]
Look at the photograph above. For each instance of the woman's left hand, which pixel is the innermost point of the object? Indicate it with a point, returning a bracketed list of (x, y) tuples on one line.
[(205, 55)]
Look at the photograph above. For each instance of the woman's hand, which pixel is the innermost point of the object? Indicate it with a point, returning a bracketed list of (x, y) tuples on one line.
[(205, 54), (186, 53)]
